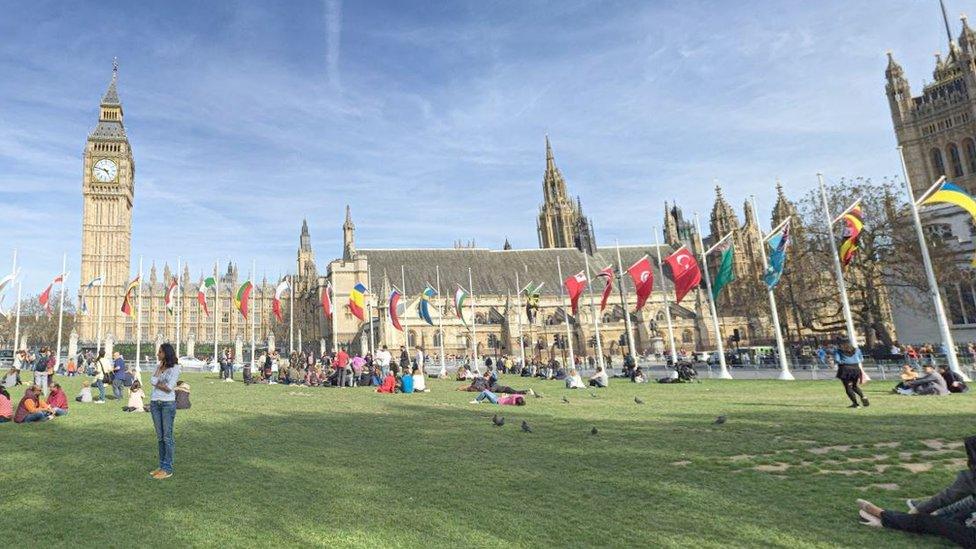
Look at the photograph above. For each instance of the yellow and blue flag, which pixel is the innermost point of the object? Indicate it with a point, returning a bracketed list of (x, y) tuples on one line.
[(357, 301), (949, 193), (424, 308)]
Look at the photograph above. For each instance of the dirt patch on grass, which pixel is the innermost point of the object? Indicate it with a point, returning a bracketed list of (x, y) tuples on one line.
[(917, 467), (824, 449), (893, 444), (772, 468), (844, 472), (742, 457), (681, 463), (883, 486)]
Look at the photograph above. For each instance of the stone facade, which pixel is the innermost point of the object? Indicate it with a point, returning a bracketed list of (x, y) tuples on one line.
[(561, 222)]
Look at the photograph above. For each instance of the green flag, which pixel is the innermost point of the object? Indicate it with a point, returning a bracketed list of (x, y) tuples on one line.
[(725, 273)]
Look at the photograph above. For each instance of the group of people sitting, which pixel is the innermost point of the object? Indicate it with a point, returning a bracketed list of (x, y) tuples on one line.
[(397, 381), (930, 382), (33, 407)]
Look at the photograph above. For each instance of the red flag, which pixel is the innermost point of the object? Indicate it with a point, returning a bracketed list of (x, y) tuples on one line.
[(608, 275), (45, 298), (643, 279), (327, 302), (575, 285), (684, 272), (394, 313)]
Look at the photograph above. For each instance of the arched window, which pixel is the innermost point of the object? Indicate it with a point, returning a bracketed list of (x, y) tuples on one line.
[(955, 160), (687, 337), (437, 338), (411, 338), (660, 316), (937, 164), (970, 147)]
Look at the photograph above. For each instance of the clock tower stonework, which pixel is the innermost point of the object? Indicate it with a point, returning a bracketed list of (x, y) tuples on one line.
[(106, 234)]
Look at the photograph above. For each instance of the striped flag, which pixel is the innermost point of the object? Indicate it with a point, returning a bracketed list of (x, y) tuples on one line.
[(45, 298), (243, 297), (276, 302), (97, 281), (394, 311), (357, 301), (460, 296), (853, 225), (209, 282), (127, 299), (607, 275), (327, 301), (171, 296)]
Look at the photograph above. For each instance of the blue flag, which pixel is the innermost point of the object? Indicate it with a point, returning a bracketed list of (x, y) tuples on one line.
[(777, 257)]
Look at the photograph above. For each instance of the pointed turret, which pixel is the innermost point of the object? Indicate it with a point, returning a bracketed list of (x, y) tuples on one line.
[(723, 219), (348, 237), (967, 38), (898, 90), (111, 97), (783, 207), (507, 245), (305, 240)]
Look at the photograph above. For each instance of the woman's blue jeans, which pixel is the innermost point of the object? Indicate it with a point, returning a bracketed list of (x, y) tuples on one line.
[(163, 414)]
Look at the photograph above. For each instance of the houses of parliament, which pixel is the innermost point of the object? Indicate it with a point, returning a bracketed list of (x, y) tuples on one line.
[(564, 232)]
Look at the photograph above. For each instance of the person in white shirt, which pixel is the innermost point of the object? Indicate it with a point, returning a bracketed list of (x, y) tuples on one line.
[(599, 379), (162, 406), (574, 381), (383, 358), (419, 382)]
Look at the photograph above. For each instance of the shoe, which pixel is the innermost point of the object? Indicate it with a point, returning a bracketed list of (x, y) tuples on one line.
[(161, 474), (868, 519), (865, 403), (99, 402), (530, 392), (855, 405), (912, 505), (475, 402), (155, 472)]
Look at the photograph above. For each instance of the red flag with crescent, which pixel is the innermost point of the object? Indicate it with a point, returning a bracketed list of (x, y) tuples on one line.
[(684, 272), (606, 274), (574, 286), (643, 278), (327, 302)]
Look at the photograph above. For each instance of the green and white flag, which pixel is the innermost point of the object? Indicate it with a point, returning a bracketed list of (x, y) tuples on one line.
[(459, 298), (725, 273), (210, 282)]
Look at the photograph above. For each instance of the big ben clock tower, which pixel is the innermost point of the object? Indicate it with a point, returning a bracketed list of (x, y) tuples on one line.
[(106, 234)]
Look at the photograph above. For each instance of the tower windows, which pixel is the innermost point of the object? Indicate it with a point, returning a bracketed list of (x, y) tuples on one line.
[(970, 146), (937, 164), (955, 159)]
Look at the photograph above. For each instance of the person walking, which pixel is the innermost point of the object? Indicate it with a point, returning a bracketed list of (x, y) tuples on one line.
[(119, 375), (102, 373), (849, 372), (40, 370), (162, 406)]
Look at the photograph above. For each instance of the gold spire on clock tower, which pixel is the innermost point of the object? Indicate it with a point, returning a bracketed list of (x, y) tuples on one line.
[(106, 235)]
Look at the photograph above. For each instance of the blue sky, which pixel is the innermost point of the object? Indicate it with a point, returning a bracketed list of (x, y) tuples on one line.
[(429, 118)]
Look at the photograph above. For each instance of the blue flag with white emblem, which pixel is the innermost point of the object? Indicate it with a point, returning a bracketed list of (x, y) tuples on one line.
[(777, 257)]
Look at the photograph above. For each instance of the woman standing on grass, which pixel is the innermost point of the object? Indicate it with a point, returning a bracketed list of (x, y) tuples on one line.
[(162, 406), (849, 372)]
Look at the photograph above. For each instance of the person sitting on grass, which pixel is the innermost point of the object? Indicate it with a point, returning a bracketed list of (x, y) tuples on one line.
[(6, 408), (929, 383), (574, 380), (957, 499), (376, 378), (419, 381), (85, 394), (32, 408), (57, 400), (907, 374), (599, 379), (462, 374), (136, 396), (639, 376), (388, 385), (954, 382), (406, 382), (507, 400), (182, 391)]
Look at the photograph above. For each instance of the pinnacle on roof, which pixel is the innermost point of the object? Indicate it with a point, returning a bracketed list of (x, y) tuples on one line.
[(304, 227), (893, 70), (348, 222), (111, 96)]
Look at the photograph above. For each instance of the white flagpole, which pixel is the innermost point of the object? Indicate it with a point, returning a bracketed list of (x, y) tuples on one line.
[(406, 297), (335, 315), (474, 325), (440, 325), (784, 373), (179, 301), (593, 311), (64, 276), (291, 316), (623, 297), (719, 344), (13, 271), (569, 337), (838, 271), (369, 308), (17, 323), (518, 315), (299, 340), (101, 304), (216, 313), (950, 347), (667, 305), (254, 268), (139, 319)]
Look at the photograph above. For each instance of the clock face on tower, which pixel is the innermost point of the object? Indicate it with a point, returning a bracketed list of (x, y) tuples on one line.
[(105, 170)]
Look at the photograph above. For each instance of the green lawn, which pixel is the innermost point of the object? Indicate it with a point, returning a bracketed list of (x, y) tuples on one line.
[(289, 466)]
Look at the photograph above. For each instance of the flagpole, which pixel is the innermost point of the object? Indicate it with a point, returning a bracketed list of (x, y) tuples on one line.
[(64, 275), (332, 303), (440, 325), (784, 373), (139, 318), (369, 309), (562, 295), (950, 347), (518, 315), (596, 317), (406, 331), (719, 343), (179, 301), (101, 304), (254, 268), (623, 300), (291, 315), (838, 271), (17, 323), (667, 306), (216, 313), (13, 271), (474, 325)]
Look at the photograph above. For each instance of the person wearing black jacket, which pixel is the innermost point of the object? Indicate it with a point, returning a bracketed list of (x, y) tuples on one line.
[(954, 382)]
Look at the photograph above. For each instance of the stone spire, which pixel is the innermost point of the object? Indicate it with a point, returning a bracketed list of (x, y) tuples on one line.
[(561, 222), (305, 241), (723, 219), (111, 97), (967, 38), (783, 207), (507, 245), (348, 237)]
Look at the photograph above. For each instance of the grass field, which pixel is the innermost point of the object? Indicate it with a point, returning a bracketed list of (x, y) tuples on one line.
[(288, 466)]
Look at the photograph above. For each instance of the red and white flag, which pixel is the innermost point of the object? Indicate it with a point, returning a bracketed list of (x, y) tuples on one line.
[(684, 272), (45, 298), (327, 302), (606, 274), (643, 278), (575, 286)]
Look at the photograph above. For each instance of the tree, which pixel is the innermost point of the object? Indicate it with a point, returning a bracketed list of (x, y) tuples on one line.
[(36, 327)]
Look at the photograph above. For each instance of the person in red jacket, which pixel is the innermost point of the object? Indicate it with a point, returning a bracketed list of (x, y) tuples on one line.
[(388, 385), (57, 400)]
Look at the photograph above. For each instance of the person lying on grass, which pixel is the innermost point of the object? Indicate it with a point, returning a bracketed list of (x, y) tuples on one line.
[(57, 400), (136, 396), (510, 400), (950, 514)]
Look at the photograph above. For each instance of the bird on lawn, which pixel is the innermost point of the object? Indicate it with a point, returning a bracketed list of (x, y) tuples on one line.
[(637, 400), (720, 420), (565, 400), (592, 394), (498, 421), (537, 394), (593, 431), (525, 427)]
